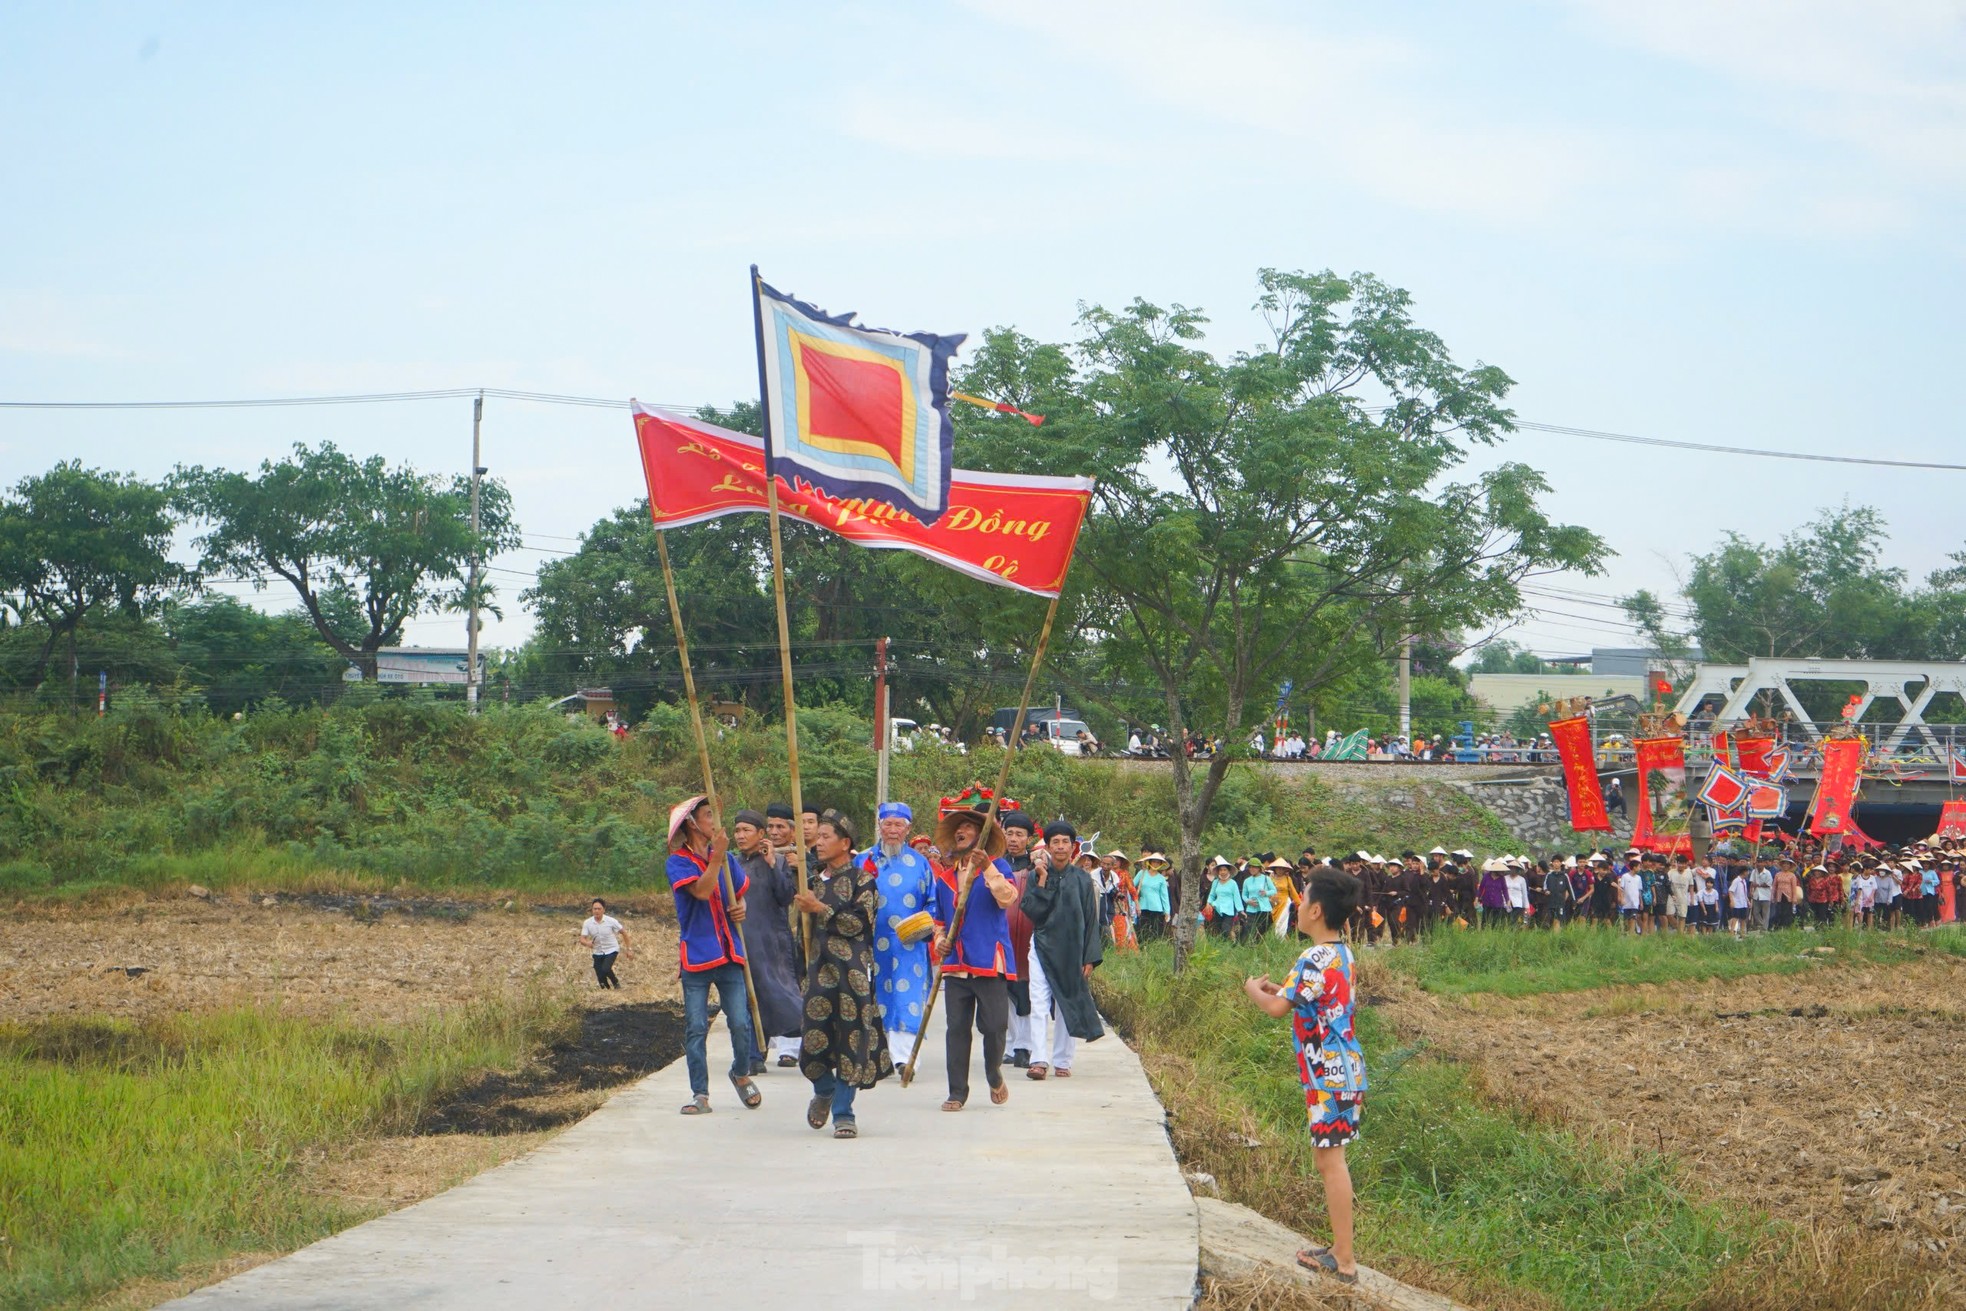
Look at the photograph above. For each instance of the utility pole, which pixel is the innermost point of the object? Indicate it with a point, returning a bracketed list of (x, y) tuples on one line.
[(471, 639), (1406, 688), (883, 726)]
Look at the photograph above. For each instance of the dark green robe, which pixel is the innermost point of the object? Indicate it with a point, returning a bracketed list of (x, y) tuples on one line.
[(1067, 936)]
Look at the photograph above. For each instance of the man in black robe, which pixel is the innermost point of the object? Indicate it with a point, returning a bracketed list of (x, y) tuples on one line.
[(1066, 942), (768, 935)]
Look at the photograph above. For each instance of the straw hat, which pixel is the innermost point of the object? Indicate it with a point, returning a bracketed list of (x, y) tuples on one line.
[(1220, 862), (992, 840), (680, 813), (1278, 862)]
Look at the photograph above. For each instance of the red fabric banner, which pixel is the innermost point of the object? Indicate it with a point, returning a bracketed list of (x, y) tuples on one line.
[(1573, 747), (1008, 529), (1656, 755), (1952, 820), (1836, 790)]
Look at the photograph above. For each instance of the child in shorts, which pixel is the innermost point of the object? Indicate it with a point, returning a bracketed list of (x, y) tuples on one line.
[(1330, 1064)]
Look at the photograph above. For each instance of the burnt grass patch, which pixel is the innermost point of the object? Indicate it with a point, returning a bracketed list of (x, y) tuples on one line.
[(598, 1049)]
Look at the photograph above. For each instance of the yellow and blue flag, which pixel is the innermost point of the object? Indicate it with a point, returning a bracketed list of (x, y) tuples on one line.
[(859, 413)]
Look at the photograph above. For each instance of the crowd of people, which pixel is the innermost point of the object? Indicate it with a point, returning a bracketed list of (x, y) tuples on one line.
[(1003, 920)]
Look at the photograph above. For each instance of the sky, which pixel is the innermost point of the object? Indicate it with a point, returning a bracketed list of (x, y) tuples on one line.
[(1722, 221)]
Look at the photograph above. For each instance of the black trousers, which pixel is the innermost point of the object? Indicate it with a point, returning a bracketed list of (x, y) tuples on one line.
[(604, 969), (985, 1004), (1150, 925)]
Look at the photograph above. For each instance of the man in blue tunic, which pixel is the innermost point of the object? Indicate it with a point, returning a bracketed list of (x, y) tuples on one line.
[(900, 966)]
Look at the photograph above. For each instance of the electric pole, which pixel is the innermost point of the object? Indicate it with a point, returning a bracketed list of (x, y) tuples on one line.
[(471, 639), (883, 726), (1406, 688)]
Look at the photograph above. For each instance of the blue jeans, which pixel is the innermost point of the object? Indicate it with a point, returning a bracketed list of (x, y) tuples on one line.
[(736, 1006), (832, 1085)]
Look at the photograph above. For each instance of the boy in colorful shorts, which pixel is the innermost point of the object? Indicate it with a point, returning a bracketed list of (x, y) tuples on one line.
[(1318, 998)]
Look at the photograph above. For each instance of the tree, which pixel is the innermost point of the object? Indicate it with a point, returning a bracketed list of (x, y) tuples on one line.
[(1505, 657), (75, 542), (365, 546), (240, 656), (1283, 513)]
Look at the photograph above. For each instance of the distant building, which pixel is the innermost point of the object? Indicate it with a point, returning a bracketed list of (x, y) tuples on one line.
[(594, 702), (1504, 693), (1628, 661)]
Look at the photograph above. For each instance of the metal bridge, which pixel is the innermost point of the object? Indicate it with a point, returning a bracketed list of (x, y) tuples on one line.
[(1909, 743)]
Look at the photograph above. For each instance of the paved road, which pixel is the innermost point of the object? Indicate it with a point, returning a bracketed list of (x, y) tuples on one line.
[(1067, 1196)]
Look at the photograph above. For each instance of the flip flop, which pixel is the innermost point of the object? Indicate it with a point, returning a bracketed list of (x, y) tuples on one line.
[(1324, 1263), (1061, 1074), (1000, 1094), (1037, 1071), (747, 1092), (698, 1106), (817, 1110), (953, 1104)]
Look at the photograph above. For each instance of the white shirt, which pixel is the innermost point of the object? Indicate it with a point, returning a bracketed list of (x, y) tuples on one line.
[(1518, 888), (602, 933), (1737, 892), (1863, 891), (1764, 884), (1630, 891)]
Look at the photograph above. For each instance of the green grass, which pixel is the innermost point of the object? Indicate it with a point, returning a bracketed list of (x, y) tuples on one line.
[(1444, 1176), (1525, 963), (139, 1151), (399, 794)]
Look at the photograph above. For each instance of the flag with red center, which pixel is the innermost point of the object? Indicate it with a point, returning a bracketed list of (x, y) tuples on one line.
[(858, 413)]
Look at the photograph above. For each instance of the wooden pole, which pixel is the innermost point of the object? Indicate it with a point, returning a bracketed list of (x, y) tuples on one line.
[(709, 779), (996, 802), (784, 627)]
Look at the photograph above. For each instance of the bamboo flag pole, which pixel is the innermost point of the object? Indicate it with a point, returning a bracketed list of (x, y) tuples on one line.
[(784, 628), (996, 802), (709, 779)]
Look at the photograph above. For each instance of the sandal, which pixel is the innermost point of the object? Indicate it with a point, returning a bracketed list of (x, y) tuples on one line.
[(954, 1104), (698, 1105), (1037, 1071), (845, 1129), (1061, 1073), (817, 1110), (1321, 1260), (1000, 1094), (747, 1092), (787, 1062)]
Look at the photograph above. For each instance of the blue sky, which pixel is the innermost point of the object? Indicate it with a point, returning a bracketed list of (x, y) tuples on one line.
[(1707, 220)]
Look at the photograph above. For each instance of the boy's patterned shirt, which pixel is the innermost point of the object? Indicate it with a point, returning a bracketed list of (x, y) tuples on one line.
[(1319, 990)]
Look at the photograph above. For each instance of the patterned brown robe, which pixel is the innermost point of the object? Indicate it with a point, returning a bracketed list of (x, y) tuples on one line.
[(843, 1032)]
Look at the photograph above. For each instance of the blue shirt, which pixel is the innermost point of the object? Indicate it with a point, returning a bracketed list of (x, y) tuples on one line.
[(983, 947), (1151, 888), (1222, 895), (708, 938), (1319, 991), (1259, 893), (1928, 882), (900, 970)]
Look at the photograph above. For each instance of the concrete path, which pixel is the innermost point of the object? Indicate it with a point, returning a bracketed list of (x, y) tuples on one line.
[(1068, 1195)]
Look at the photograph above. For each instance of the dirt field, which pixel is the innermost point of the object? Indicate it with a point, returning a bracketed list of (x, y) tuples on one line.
[(368, 958), (1834, 1098)]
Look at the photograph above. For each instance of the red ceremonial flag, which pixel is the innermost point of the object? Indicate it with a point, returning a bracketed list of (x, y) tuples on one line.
[(1724, 789), (1656, 755), (1956, 764), (1952, 820), (1836, 790), (1573, 747), (1008, 529)]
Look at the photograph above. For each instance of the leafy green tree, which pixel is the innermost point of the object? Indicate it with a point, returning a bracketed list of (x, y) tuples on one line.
[(240, 656), (1505, 657), (76, 542), (365, 546), (1287, 512)]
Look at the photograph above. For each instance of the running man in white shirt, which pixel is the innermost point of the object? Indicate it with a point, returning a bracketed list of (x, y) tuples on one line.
[(602, 934)]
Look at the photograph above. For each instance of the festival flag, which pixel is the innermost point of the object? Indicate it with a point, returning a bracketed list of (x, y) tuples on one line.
[(859, 413), (1665, 756), (1952, 820), (1836, 789), (1008, 529), (1956, 765), (1573, 747), (1724, 790)]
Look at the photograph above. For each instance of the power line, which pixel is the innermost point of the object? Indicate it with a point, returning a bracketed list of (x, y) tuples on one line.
[(615, 403)]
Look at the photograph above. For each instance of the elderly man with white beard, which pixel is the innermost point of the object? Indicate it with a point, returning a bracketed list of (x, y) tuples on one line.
[(902, 929)]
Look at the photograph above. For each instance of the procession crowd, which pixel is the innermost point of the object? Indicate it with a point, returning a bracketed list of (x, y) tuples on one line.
[(1003, 920)]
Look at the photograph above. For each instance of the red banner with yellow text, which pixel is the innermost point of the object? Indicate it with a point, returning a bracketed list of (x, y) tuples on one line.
[(1573, 747), (1008, 529), (1952, 820), (1660, 824), (1836, 790)]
